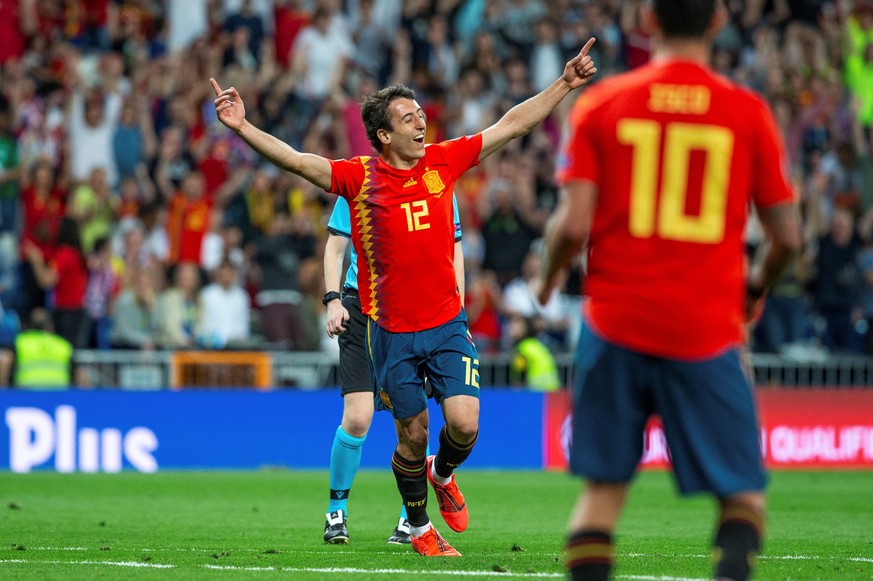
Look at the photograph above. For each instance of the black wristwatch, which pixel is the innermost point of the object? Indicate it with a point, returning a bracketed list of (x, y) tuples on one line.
[(754, 293), (329, 296)]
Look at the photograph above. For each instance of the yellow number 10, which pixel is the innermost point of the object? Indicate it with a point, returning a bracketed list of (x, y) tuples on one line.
[(680, 139)]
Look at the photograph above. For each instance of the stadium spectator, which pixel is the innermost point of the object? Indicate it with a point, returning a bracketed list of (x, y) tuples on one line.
[(546, 58), (785, 320), (134, 313), (253, 206), (277, 258), (10, 295), (506, 230), (187, 21), (245, 18), (103, 286), (134, 140), (156, 244), (178, 309), (9, 170), (838, 282), (482, 301), (225, 310), (519, 299), (396, 128), (93, 205), (173, 162), (321, 52), (65, 273), (131, 196), (93, 121), (858, 67), (665, 315), (188, 220), (42, 124), (372, 42), (290, 18), (865, 266), (44, 202)]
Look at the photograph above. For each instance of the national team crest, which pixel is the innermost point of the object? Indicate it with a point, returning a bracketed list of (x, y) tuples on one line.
[(433, 182)]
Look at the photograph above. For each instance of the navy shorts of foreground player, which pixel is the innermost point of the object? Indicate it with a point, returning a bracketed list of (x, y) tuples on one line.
[(400, 361), (699, 402)]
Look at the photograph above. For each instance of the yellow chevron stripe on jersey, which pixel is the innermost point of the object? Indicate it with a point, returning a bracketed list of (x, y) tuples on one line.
[(365, 230)]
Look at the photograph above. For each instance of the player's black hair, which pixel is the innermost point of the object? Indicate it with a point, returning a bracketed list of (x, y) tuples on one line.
[(374, 111), (684, 18)]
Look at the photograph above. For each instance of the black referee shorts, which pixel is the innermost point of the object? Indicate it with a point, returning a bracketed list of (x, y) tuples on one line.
[(354, 372)]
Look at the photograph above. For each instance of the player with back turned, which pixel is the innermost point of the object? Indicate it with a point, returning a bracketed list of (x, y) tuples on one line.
[(660, 168), (403, 232)]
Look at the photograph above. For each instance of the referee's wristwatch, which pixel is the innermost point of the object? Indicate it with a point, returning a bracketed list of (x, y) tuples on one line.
[(329, 296)]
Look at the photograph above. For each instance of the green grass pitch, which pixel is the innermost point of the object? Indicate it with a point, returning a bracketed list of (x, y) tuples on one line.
[(268, 524)]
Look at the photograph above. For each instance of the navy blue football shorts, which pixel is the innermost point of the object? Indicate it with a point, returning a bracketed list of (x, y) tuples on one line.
[(706, 406), (446, 355)]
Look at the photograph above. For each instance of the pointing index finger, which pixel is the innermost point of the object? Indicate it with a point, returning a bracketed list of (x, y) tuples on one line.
[(215, 86), (587, 46)]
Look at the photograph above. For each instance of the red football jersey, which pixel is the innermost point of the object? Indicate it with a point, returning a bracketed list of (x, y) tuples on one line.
[(678, 154), (404, 233)]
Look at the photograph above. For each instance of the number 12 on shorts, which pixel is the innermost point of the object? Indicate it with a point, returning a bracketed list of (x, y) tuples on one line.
[(471, 371)]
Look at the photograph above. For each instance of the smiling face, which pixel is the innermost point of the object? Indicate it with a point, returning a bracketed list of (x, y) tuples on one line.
[(404, 144)]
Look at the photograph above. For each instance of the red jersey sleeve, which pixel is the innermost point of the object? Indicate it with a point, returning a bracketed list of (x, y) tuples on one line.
[(459, 154), (771, 186), (346, 176)]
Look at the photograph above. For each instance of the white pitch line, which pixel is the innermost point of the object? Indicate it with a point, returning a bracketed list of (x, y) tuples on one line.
[(508, 574), (760, 557), (658, 578), (352, 571), (396, 553), (134, 564), (57, 548)]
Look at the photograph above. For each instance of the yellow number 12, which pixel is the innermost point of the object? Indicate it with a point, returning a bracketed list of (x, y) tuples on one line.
[(415, 211)]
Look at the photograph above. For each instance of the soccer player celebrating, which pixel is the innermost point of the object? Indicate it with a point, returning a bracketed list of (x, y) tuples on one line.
[(402, 231), (661, 165), (345, 320)]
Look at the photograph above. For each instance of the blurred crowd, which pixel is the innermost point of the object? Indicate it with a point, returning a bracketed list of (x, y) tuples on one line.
[(140, 222)]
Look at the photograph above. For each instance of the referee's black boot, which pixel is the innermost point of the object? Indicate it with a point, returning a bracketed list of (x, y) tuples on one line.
[(335, 531)]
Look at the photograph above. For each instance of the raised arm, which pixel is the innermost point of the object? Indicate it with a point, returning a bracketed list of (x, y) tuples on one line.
[(525, 116), (231, 111)]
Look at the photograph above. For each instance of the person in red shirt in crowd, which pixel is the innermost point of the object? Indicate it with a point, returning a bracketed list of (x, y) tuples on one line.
[(403, 230), (659, 171), (289, 18), (17, 21), (43, 202), (188, 220), (66, 274)]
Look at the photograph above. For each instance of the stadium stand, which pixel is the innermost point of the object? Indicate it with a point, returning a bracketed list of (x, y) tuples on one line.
[(106, 116)]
